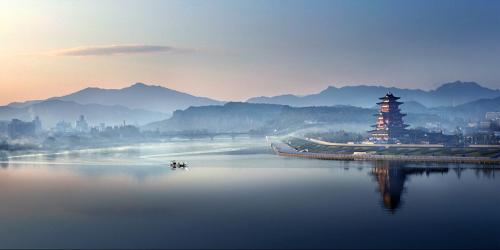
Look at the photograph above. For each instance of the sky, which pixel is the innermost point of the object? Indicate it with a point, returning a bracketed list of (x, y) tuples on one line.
[(236, 49)]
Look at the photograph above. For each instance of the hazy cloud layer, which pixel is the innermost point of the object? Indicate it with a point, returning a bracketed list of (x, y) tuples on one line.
[(111, 50)]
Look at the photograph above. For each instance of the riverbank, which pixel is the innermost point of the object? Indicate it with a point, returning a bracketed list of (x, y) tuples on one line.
[(297, 147)]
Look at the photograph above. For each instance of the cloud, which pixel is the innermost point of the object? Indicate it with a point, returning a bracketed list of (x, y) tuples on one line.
[(111, 50)]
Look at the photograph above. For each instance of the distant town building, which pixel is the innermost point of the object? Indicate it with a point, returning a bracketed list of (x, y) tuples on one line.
[(492, 116), (390, 126), (82, 125), (4, 125), (496, 125), (63, 127), (38, 125), (125, 131), (497, 134), (18, 128), (484, 126)]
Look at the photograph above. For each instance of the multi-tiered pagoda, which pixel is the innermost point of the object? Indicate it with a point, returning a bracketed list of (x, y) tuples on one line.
[(390, 126)]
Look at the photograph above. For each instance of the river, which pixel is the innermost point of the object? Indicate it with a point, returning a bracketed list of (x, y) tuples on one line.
[(237, 194)]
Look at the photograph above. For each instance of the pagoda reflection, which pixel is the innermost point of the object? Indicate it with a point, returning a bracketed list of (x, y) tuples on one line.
[(391, 178)]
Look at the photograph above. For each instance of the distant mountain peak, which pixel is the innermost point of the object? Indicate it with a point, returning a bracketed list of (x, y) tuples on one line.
[(139, 96), (150, 87), (365, 95), (141, 85), (90, 89), (459, 84)]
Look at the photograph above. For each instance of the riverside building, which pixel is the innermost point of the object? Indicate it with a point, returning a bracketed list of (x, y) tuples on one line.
[(390, 126)]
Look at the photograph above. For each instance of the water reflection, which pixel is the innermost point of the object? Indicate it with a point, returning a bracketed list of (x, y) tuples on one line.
[(392, 176)]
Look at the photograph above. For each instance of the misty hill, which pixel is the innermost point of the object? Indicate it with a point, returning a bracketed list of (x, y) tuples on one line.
[(413, 107), (53, 111), (472, 110), (23, 104), (449, 94), (267, 118), (137, 96), (231, 117)]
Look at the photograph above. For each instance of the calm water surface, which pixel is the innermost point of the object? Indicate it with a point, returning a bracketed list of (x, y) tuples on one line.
[(237, 194)]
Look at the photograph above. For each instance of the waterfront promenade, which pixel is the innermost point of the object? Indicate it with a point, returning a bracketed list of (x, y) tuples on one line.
[(374, 145), (284, 149), (321, 142)]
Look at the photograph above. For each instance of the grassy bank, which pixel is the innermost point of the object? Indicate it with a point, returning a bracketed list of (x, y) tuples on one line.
[(304, 145)]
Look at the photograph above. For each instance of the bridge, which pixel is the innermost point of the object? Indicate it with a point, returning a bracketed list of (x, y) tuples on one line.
[(210, 135)]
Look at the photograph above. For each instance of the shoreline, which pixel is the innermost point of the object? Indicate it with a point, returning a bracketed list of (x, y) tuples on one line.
[(283, 149)]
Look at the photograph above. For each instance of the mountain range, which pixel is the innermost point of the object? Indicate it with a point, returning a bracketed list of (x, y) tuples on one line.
[(335, 108), (52, 111), (136, 104), (448, 94), (137, 96), (472, 110), (144, 104)]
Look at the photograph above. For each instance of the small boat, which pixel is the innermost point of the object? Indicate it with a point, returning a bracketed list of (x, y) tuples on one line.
[(175, 164)]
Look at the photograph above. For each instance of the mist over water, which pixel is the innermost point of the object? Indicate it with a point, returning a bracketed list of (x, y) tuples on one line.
[(237, 193)]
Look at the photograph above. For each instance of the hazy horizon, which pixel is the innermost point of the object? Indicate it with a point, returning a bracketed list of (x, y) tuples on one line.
[(239, 100), (235, 50)]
